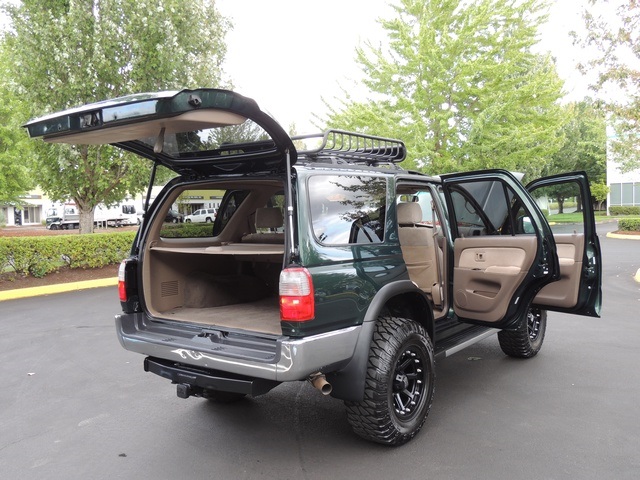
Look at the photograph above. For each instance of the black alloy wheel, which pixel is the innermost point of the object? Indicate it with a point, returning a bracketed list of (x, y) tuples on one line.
[(399, 384)]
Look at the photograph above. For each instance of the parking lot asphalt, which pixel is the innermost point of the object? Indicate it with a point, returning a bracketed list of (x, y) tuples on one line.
[(76, 405)]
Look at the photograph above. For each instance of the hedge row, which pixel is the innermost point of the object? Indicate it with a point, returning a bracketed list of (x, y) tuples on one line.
[(624, 210), (629, 224), (186, 230), (555, 206), (38, 256)]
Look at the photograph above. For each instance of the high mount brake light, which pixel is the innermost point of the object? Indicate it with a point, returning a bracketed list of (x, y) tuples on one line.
[(296, 295)]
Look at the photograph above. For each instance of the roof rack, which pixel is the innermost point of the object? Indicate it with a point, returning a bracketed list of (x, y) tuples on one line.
[(355, 147)]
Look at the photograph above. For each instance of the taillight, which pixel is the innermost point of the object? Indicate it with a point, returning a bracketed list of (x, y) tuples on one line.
[(122, 287), (296, 295), (128, 285)]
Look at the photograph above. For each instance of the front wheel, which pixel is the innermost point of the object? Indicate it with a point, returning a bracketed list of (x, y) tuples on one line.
[(399, 384), (526, 340)]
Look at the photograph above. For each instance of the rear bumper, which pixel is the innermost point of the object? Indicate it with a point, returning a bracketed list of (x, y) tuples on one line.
[(278, 359)]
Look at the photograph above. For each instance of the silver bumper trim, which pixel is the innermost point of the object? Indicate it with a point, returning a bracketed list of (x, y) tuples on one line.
[(294, 359)]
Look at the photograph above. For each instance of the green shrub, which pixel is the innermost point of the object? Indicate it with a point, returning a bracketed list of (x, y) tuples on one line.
[(565, 205), (629, 224), (186, 230), (38, 256), (624, 210)]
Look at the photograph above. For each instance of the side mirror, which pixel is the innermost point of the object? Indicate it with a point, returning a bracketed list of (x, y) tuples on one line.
[(525, 225)]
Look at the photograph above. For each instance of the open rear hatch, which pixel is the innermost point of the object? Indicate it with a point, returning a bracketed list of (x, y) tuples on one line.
[(188, 130), (200, 134)]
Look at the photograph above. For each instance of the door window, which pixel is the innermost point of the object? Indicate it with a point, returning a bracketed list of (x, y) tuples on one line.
[(347, 210), (488, 207)]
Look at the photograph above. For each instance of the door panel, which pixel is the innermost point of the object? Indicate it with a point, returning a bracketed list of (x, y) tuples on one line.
[(564, 292), (487, 272), (504, 251)]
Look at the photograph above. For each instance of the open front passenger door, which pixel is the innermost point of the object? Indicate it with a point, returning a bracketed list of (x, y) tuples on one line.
[(505, 250)]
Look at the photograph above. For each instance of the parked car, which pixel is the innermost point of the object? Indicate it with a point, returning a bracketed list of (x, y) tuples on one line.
[(207, 215), (173, 217), (330, 263)]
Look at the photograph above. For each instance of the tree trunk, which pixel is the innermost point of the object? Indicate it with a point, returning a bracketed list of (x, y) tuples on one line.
[(579, 203), (86, 220)]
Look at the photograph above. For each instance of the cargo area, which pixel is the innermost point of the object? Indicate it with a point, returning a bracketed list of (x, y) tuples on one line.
[(231, 286), (228, 279)]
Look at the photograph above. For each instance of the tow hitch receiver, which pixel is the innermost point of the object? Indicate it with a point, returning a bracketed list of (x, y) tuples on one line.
[(184, 390)]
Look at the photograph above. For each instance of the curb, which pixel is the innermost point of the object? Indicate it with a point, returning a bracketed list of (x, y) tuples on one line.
[(60, 288), (624, 237)]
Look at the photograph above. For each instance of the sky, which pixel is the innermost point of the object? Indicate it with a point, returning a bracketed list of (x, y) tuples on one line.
[(290, 54)]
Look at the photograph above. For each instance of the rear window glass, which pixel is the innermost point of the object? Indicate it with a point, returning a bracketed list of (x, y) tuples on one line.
[(179, 224), (347, 209), (218, 139)]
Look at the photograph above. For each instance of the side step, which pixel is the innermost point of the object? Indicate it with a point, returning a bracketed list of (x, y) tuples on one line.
[(463, 340), (194, 381)]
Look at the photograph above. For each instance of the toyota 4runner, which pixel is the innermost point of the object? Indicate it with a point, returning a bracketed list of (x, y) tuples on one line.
[(326, 261)]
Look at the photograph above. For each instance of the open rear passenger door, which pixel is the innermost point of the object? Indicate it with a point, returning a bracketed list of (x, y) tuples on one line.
[(505, 250)]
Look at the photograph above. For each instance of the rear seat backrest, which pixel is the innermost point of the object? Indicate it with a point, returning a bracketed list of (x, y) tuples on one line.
[(417, 246), (270, 218)]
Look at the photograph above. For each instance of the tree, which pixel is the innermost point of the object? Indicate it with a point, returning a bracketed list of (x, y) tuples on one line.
[(461, 86), (14, 146), (599, 191), (66, 53), (613, 33), (584, 147)]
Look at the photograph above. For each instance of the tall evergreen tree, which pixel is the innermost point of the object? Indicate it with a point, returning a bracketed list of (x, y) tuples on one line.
[(460, 85), (67, 53)]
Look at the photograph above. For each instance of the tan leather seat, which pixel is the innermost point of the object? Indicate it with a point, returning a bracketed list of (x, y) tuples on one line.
[(417, 246), (266, 218)]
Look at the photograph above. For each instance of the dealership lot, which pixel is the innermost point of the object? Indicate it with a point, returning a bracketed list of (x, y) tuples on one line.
[(75, 405)]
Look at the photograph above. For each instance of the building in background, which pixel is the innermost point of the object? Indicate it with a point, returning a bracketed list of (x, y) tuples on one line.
[(624, 188)]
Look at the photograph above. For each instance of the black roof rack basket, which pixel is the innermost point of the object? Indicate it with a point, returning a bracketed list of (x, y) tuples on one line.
[(355, 147)]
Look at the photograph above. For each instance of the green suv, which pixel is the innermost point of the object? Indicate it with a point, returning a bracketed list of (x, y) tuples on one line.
[(327, 261)]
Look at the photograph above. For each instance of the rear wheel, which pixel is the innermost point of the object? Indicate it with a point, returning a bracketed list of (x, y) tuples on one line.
[(526, 340), (399, 384)]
